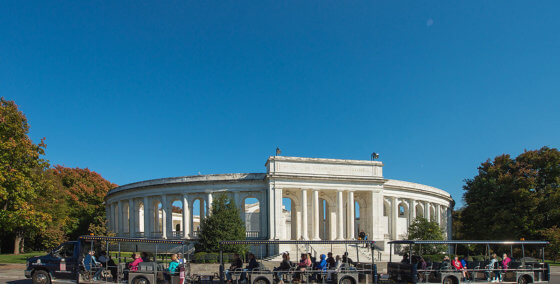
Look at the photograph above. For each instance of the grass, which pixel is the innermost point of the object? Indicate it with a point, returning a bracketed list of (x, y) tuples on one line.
[(552, 263), (20, 258)]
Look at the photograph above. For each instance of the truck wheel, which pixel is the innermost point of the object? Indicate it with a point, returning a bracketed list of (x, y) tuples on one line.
[(41, 277)]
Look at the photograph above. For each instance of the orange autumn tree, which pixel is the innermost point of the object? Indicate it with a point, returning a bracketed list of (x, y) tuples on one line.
[(85, 191)]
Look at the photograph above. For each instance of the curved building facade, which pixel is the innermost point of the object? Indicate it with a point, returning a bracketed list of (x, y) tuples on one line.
[(297, 198)]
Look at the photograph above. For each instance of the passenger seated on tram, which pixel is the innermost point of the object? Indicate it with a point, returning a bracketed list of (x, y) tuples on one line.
[(459, 266), (304, 264), (285, 265), (180, 258), (330, 260), (504, 263), (90, 263), (445, 263), (172, 269), (491, 267), (405, 258), (145, 257), (250, 267), (108, 263), (133, 266), (322, 264), (346, 260), (236, 264), (335, 268)]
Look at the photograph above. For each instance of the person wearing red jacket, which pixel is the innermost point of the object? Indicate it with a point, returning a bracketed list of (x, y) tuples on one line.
[(459, 266)]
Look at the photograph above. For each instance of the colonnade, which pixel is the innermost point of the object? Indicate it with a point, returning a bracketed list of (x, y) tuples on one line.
[(315, 214)]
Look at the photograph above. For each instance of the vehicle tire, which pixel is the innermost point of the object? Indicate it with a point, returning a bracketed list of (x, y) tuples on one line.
[(450, 280), (261, 280), (41, 277), (522, 280), (346, 280), (141, 280)]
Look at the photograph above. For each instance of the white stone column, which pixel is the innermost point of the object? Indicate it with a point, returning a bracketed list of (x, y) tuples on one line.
[(120, 226), (186, 217), (340, 217), (298, 220), (376, 216), (163, 217), (131, 218), (279, 221), (315, 215), (426, 210), (411, 211), (304, 215), (147, 228), (437, 212), (351, 218), (209, 204), (394, 217)]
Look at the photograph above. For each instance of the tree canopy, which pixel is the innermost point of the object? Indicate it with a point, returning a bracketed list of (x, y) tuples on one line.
[(223, 224), (422, 229), (21, 167), (513, 197), (39, 204)]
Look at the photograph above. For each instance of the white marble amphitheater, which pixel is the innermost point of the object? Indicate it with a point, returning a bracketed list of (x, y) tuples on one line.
[(297, 198)]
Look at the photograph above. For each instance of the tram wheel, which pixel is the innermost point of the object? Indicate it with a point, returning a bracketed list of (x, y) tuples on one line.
[(449, 280), (522, 280), (261, 281), (141, 280), (346, 280)]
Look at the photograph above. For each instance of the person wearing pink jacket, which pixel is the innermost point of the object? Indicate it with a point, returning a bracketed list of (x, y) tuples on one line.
[(133, 266)]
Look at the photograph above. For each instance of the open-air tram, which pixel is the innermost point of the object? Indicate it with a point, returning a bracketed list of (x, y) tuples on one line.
[(521, 269), (67, 263), (349, 272)]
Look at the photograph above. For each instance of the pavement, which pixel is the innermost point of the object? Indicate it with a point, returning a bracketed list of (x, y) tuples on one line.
[(13, 273)]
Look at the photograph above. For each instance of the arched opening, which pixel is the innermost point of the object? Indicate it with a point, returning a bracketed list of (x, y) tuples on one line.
[(419, 211), (386, 214), (157, 228), (357, 224), (126, 219), (432, 214), (198, 213), (252, 210), (177, 218), (403, 220), (325, 231), (290, 224)]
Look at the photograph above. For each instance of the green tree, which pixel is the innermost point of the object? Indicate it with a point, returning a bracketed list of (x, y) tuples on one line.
[(553, 236), (224, 223), (513, 198), (422, 229), (21, 169)]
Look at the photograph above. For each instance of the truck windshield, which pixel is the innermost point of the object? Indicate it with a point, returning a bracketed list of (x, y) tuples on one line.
[(64, 251)]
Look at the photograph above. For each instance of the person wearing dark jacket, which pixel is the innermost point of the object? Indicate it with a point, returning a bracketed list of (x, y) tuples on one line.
[(285, 265), (250, 267), (330, 260), (236, 264)]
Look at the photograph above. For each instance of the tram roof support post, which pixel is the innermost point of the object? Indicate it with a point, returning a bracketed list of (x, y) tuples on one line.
[(390, 252)]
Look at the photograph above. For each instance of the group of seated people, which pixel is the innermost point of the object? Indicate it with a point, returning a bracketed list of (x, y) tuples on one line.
[(237, 266), (327, 264), (96, 266), (493, 270)]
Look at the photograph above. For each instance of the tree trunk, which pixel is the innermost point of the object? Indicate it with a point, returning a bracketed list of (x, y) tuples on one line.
[(17, 242)]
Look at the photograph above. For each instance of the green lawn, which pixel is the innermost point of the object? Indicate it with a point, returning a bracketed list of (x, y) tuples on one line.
[(552, 263), (20, 258)]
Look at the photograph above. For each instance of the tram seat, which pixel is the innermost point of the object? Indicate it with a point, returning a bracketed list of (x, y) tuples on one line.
[(147, 266), (514, 265)]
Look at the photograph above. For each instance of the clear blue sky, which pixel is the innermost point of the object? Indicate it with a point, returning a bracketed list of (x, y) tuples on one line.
[(139, 90)]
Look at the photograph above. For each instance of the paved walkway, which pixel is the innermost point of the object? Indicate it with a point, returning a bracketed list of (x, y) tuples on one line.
[(13, 273)]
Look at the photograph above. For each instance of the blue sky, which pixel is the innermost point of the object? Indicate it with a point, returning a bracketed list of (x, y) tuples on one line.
[(139, 90)]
